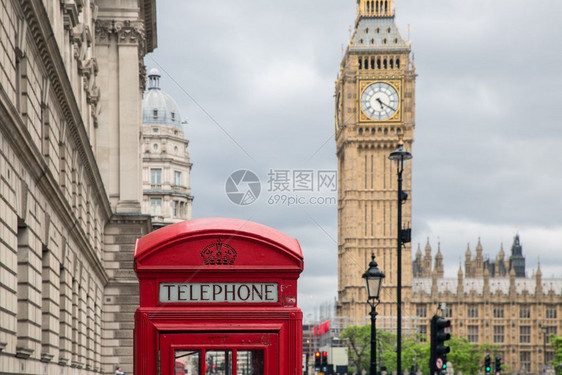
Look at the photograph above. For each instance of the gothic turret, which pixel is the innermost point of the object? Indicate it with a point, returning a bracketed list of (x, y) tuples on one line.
[(439, 269), (517, 260)]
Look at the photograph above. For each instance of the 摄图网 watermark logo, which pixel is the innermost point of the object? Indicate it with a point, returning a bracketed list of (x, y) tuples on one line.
[(243, 187), (287, 187)]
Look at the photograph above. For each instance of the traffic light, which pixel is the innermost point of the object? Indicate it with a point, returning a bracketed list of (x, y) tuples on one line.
[(487, 365), (324, 359), (438, 351), (317, 361), (498, 365)]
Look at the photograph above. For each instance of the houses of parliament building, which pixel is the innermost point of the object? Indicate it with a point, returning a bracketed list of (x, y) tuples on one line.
[(490, 301)]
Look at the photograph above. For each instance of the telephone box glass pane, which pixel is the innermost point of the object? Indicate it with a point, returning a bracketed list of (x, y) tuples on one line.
[(218, 362), (249, 362), (187, 362)]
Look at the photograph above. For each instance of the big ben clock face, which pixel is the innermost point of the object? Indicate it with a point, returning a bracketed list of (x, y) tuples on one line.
[(379, 101)]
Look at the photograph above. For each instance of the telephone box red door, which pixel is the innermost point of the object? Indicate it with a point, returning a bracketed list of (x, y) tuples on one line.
[(218, 296)]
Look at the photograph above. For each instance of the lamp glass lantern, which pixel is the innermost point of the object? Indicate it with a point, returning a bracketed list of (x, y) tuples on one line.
[(400, 156), (373, 279)]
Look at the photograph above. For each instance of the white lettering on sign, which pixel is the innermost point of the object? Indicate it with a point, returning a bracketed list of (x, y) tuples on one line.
[(218, 292)]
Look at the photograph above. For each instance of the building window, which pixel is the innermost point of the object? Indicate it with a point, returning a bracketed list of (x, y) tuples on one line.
[(421, 310), (155, 130), (156, 206), (550, 330), (177, 178), (448, 312), (524, 311), (156, 176), (472, 333), (175, 205), (472, 311), (525, 334), (173, 116), (549, 357), (550, 312), (155, 114), (525, 360), (498, 311), (155, 147), (422, 329), (498, 334)]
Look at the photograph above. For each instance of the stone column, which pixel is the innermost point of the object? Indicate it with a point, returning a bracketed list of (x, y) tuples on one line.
[(119, 51)]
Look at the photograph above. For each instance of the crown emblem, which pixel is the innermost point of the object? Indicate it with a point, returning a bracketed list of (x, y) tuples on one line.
[(218, 253)]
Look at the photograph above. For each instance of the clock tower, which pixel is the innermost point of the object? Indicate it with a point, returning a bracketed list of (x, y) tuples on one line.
[(375, 103)]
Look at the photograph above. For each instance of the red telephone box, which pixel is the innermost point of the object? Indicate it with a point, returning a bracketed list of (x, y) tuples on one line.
[(218, 296)]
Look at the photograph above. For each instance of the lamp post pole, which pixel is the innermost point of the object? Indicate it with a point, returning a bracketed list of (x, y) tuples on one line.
[(399, 273), (373, 367), (400, 156), (373, 277)]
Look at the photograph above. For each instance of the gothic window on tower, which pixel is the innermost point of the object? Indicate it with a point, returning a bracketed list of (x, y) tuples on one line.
[(421, 310), (448, 312), (499, 334), (525, 334), (498, 311), (422, 330), (525, 360), (472, 333), (472, 311), (524, 311), (549, 330), (550, 312)]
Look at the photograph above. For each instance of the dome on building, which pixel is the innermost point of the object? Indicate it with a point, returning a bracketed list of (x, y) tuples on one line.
[(157, 106)]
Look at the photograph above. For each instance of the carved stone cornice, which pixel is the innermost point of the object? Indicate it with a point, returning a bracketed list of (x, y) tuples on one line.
[(124, 32)]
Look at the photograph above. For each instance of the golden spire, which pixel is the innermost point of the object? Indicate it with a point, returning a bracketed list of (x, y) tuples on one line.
[(375, 8)]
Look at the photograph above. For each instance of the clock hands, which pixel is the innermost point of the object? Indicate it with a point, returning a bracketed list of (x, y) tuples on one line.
[(386, 105)]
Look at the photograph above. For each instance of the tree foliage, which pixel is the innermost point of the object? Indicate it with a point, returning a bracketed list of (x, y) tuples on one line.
[(358, 346), (556, 343), (464, 356)]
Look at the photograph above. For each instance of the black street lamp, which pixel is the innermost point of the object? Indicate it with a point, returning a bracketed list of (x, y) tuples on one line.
[(373, 279), (400, 156)]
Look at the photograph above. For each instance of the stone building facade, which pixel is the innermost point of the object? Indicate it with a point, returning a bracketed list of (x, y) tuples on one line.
[(488, 303), (71, 84), (492, 300), (166, 168), (375, 107)]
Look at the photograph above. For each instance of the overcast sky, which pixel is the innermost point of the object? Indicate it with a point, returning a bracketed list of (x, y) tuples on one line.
[(255, 81)]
